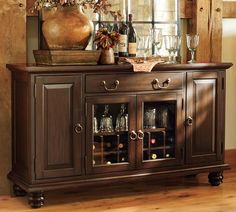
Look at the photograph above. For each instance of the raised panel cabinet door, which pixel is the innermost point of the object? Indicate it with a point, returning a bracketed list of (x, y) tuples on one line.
[(204, 119), (160, 128), (59, 126)]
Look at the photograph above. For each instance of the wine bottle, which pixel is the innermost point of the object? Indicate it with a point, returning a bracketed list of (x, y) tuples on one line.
[(153, 141), (154, 156), (132, 44), (123, 44), (116, 29), (120, 145)]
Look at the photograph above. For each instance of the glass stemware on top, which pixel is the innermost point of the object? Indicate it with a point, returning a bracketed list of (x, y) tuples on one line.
[(144, 45), (157, 40), (172, 45), (192, 43)]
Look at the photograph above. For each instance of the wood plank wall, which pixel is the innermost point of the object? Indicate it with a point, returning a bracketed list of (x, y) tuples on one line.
[(13, 50)]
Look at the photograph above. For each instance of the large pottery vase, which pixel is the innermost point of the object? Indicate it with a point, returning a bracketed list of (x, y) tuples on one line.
[(67, 28)]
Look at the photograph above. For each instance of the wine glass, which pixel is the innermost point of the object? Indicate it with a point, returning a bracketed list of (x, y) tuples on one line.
[(144, 45), (172, 45), (176, 46), (169, 47), (157, 40), (192, 43)]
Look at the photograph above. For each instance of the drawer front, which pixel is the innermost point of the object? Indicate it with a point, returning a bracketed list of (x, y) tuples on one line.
[(100, 83)]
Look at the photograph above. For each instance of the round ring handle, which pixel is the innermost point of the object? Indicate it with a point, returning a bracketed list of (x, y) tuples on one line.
[(157, 85), (113, 87), (78, 128), (133, 135), (189, 121), (140, 135)]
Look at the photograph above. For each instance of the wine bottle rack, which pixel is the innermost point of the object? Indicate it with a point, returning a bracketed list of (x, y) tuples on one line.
[(110, 148), (156, 145)]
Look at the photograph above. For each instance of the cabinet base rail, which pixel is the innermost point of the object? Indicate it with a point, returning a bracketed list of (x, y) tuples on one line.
[(36, 195)]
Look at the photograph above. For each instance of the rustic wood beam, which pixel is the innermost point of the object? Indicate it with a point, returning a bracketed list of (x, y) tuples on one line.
[(216, 30), (207, 22), (229, 9), (186, 7)]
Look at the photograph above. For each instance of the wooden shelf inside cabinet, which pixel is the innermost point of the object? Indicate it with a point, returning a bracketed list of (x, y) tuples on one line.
[(109, 133), (108, 153), (158, 148), (154, 130)]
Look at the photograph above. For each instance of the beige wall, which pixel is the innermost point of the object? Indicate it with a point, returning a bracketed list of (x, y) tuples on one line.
[(229, 55)]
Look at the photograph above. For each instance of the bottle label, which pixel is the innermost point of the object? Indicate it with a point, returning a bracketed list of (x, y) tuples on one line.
[(123, 43), (132, 48)]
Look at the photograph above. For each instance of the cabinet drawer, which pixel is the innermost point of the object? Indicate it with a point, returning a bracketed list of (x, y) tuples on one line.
[(100, 83)]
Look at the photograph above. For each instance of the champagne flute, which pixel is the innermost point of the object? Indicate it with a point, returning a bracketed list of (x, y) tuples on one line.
[(176, 46), (168, 39), (157, 40), (144, 45), (192, 43)]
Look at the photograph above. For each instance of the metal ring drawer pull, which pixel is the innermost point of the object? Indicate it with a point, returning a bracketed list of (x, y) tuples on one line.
[(113, 87), (140, 135), (189, 121), (133, 135), (78, 128), (156, 84)]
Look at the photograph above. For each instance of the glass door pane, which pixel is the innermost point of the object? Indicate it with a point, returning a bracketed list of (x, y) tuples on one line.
[(110, 121), (110, 134), (159, 130)]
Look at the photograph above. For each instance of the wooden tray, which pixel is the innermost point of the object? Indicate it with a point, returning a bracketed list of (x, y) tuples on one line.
[(66, 57)]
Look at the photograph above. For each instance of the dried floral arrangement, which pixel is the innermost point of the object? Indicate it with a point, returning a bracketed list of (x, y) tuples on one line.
[(98, 6), (106, 39)]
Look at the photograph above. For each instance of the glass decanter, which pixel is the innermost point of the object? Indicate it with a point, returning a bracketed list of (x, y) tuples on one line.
[(106, 124), (122, 120)]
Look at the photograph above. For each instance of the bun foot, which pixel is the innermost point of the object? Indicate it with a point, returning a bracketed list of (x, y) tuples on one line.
[(18, 191), (36, 199), (215, 178)]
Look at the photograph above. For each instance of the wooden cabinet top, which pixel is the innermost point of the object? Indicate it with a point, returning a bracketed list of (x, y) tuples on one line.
[(32, 68)]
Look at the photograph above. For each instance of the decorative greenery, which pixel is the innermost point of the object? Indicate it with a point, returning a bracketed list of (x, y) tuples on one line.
[(105, 39), (98, 6)]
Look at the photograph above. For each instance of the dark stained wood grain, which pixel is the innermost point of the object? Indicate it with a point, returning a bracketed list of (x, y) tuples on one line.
[(57, 99), (58, 146), (32, 68)]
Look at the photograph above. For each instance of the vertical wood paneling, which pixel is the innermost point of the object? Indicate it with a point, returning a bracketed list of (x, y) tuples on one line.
[(201, 20), (207, 22), (13, 50), (216, 31), (229, 9), (185, 7)]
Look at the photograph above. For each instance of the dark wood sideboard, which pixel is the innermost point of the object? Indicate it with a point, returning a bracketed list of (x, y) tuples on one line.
[(81, 125)]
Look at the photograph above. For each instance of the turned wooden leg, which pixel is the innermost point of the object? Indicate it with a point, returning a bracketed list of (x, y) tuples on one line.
[(18, 191), (36, 199), (215, 178)]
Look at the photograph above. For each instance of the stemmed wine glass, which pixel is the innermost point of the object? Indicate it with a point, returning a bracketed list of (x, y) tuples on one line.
[(144, 45), (157, 40), (192, 43), (172, 45), (176, 46)]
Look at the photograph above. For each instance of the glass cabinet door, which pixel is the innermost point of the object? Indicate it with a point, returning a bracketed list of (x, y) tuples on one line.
[(160, 130), (110, 122)]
